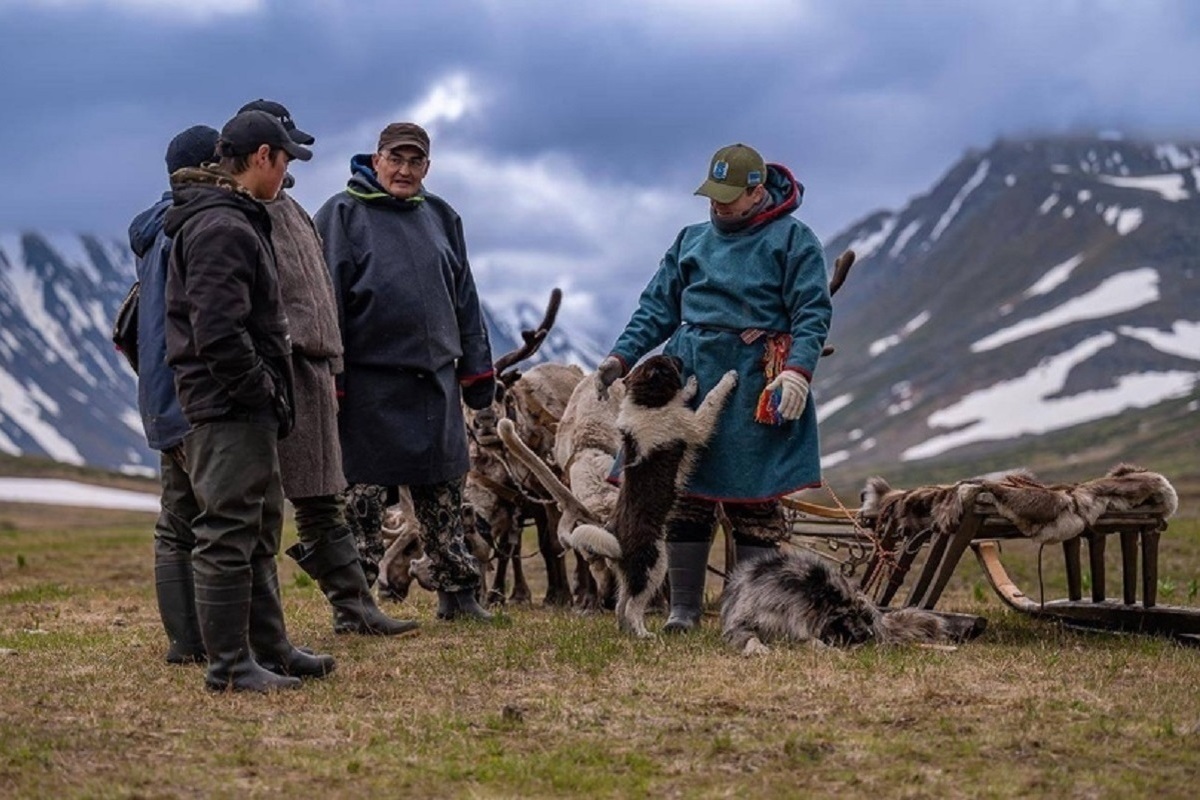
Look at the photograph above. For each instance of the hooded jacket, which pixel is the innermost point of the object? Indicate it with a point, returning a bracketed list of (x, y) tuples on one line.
[(162, 418), (227, 334), (412, 327), (721, 301)]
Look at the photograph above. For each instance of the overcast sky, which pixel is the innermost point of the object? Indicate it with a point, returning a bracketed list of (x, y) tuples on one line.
[(570, 135)]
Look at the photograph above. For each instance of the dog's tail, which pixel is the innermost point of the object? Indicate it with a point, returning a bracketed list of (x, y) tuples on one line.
[(569, 503), (595, 540)]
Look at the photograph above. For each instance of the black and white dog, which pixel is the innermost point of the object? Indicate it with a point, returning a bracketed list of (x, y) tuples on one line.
[(800, 597), (661, 437)]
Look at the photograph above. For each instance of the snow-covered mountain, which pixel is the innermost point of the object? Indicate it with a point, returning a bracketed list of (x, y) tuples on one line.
[(66, 394), (1040, 293)]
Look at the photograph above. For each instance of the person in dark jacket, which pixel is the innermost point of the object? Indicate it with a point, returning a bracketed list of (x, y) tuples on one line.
[(162, 418), (228, 344), (415, 347), (310, 458), (745, 290)]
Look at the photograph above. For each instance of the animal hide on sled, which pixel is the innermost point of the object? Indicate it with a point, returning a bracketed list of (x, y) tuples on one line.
[(1045, 513)]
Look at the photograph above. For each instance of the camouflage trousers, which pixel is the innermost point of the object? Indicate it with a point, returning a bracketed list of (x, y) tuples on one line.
[(755, 524), (439, 508)]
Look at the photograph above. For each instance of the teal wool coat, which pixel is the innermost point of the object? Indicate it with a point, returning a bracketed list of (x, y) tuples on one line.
[(715, 299)]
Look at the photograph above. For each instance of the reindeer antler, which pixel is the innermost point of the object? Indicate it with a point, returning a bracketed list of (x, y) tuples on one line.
[(532, 338), (841, 268)]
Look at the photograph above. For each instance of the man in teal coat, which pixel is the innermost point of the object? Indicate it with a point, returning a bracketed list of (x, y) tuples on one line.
[(746, 290)]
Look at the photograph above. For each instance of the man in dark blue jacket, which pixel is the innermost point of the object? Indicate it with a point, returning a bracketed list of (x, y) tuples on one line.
[(162, 418)]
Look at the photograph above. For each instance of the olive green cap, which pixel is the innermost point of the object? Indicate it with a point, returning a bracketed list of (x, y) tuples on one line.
[(733, 170)]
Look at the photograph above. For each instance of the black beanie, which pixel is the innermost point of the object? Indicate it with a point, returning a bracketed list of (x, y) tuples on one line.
[(193, 147)]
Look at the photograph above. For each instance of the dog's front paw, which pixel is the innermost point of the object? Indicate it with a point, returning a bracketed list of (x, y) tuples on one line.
[(731, 377), (690, 387), (755, 648)]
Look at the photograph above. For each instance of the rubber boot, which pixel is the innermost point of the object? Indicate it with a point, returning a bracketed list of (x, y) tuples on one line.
[(334, 565), (469, 606), (223, 609), (173, 584), (745, 553), (447, 605), (687, 565), (268, 634)]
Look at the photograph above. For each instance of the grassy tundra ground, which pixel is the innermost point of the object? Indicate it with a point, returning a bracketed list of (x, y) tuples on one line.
[(548, 703)]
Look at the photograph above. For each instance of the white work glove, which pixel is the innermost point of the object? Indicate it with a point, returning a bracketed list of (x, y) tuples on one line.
[(793, 393)]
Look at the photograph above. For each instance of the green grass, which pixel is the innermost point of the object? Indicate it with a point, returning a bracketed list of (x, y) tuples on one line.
[(553, 703)]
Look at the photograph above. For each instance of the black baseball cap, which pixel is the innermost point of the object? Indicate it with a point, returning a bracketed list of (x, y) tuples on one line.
[(249, 130), (279, 111)]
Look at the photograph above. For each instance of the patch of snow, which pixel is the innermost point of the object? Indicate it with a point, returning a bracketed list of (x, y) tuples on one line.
[(909, 231), (69, 247), (8, 445), (1083, 196), (1055, 276), (132, 419), (29, 294), (1129, 221), (1060, 169), (1174, 156), (19, 406), (1182, 340), (1196, 177), (855, 434), (971, 185), (1010, 180), (72, 493), (1048, 203), (827, 409), (1122, 292), (833, 459), (899, 408), (880, 346), (137, 471), (866, 244), (1023, 405), (867, 444), (1068, 212), (1170, 187)]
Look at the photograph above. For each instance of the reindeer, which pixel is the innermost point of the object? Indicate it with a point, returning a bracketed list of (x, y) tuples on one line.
[(503, 492)]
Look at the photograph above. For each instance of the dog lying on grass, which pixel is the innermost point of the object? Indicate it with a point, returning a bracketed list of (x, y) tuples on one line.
[(799, 597)]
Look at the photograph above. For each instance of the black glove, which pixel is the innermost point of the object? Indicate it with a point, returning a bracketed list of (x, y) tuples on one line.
[(479, 394)]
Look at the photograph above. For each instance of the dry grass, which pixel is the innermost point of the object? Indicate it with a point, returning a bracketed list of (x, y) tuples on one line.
[(551, 704)]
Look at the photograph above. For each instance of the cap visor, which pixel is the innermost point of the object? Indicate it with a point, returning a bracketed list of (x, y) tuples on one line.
[(296, 151), (721, 192), (392, 145), (300, 137)]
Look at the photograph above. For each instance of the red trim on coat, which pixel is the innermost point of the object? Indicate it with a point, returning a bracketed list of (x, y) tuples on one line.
[(468, 380)]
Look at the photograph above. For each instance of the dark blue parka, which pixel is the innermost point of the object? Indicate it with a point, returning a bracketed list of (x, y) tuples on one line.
[(162, 418), (412, 327)]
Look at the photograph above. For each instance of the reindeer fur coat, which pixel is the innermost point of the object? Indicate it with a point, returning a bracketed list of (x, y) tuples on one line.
[(412, 326), (715, 298)]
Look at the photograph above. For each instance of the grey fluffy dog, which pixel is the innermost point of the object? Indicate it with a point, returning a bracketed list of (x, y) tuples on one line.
[(798, 597)]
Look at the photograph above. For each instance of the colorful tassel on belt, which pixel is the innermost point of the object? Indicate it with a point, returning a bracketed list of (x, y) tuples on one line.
[(775, 354)]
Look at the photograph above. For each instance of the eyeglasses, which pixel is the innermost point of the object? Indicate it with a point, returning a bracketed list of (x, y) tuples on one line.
[(416, 163)]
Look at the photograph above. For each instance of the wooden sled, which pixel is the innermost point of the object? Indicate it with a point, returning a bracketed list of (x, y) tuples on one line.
[(982, 529)]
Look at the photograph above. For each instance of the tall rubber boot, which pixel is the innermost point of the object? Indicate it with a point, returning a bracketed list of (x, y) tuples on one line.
[(223, 609), (334, 565), (268, 634), (687, 565), (447, 605), (745, 553), (175, 589), (469, 606)]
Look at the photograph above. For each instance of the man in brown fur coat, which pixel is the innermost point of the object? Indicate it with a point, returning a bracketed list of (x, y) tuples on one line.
[(310, 460)]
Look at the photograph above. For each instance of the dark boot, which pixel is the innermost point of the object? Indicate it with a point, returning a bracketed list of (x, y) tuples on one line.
[(469, 606), (745, 552), (334, 565), (223, 609), (687, 566), (447, 605), (268, 634), (176, 593)]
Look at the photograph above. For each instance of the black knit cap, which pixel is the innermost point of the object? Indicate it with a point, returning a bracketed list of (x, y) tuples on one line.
[(191, 148), (250, 130), (279, 111)]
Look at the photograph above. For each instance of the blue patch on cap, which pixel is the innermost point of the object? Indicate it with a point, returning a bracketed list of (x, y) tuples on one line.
[(720, 170), (753, 178)]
